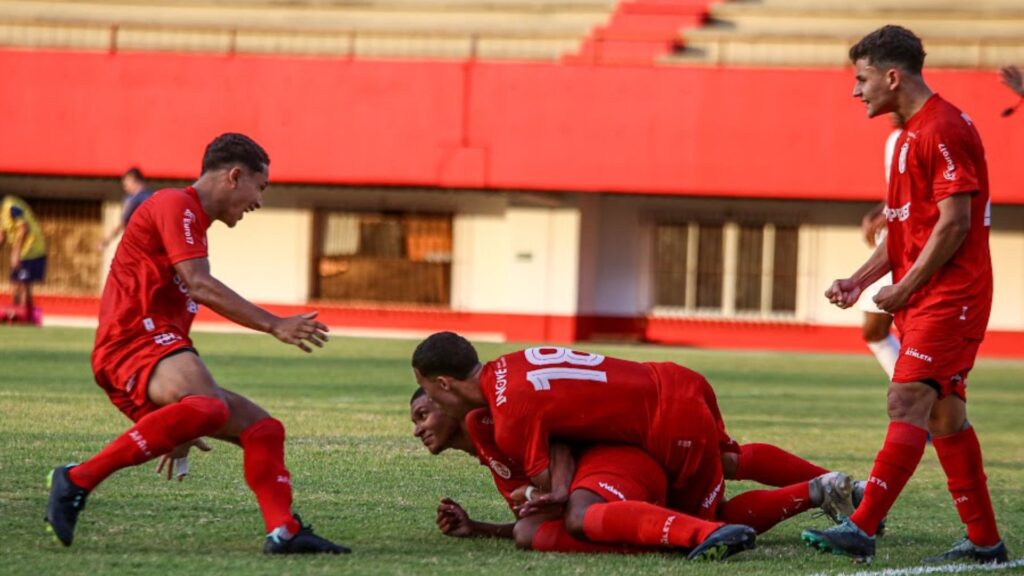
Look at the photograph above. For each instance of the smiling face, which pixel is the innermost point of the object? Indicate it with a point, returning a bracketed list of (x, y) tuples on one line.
[(246, 192), (876, 87), (435, 429)]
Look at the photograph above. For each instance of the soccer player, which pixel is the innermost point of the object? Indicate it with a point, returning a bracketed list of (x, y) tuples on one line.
[(937, 211), (536, 394), (18, 226), (135, 193), (603, 473), (144, 360)]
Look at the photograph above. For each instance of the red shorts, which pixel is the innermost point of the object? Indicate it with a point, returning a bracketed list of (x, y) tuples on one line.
[(617, 472), (939, 359), (123, 372)]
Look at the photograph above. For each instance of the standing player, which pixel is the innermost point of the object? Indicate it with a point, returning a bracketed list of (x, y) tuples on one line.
[(533, 395), (144, 360), (135, 193), (937, 248), (18, 226), (602, 473)]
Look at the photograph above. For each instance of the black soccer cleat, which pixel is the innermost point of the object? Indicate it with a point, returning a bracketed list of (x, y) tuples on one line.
[(724, 542), (845, 539), (967, 550), (66, 501), (305, 542)]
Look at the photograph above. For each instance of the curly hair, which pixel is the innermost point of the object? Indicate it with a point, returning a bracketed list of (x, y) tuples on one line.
[(231, 148), (891, 46)]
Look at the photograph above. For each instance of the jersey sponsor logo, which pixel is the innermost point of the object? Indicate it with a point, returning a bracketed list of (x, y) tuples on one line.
[(618, 493), (148, 324), (500, 382), (950, 172), (903, 156), (166, 339), (499, 468), (901, 213), (187, 220), (915, 353), (706, 504)]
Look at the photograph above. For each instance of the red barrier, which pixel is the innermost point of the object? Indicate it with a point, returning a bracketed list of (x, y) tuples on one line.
[(766, 133)]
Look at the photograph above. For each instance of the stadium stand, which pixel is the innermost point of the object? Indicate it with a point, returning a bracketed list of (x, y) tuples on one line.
[(981, 34), (492, 29)]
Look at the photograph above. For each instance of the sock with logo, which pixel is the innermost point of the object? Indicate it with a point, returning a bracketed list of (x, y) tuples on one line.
[(886, 351), (774, 466), (763, 509), (263, 459), (155, 434), (894, 465), (643, 524), (552, 536), (960, 456)]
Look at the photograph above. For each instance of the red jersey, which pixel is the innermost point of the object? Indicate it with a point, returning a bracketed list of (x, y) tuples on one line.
[(143, 297), (551, 392), (940, 154), (507, 474)]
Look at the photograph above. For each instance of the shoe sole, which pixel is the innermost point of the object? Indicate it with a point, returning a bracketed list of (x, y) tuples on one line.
[(822, 545), (723, 550)]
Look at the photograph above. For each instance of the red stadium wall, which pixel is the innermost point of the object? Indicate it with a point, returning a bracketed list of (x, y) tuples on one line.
[(766, 133)]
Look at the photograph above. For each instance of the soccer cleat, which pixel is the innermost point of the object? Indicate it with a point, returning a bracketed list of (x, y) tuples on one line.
[(305, 542), (724, 542), (858, 497), (833, 493), (845, 538), (66, 501), (967, 550)]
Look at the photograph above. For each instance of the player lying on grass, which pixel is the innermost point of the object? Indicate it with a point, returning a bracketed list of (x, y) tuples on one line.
[(144, 360), (621, 474)]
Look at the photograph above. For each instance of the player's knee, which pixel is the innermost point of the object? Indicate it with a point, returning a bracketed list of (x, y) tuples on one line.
[(730, 464), (523, 533), (911, 402)]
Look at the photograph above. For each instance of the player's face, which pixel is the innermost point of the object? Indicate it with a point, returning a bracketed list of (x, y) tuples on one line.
[(434, 428), (443, 394), (246, 194), (874, 87)]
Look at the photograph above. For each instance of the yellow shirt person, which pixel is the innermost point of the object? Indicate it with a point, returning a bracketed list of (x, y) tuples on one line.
[(19, 228)]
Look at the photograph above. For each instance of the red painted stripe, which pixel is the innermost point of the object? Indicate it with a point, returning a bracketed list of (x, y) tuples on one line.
[(712, 334)]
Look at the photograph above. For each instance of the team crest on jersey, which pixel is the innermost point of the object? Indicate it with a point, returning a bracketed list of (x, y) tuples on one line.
[(500, 469), (903, 156)]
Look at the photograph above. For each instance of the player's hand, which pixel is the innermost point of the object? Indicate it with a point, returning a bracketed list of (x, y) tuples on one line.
[(892, 298), (1012, 77), (452, 519), (542, 503), (301, 331), (843, 293), (174, 464)]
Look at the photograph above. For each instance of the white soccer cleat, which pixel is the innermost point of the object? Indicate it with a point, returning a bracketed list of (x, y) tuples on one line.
[(833, 493)]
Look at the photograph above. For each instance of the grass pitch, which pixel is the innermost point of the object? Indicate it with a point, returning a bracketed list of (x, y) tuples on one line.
[(363, 480)]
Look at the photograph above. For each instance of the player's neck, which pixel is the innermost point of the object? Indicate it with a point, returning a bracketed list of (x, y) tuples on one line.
[(913, 96), (205, 189), (464, 443)]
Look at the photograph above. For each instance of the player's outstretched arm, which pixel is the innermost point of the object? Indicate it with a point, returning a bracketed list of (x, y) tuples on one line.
[(453, 520), (300, 330)]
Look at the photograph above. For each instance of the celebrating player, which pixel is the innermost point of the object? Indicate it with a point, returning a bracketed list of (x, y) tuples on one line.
[(666, 410), (937, 214), (144, 360)]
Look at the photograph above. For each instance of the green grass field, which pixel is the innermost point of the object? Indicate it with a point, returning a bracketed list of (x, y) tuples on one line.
[(362, 479)]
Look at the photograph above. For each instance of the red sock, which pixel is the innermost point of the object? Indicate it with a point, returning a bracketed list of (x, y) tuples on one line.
[(763, 509), (263, 455), (644, 524), (155, 434), (894, 465), (552, 536), (960, 456), (774, 466)]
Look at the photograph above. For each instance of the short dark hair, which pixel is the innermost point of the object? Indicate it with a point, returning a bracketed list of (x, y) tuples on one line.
[(419, 392), (445, 354), (231, 148), (891, 46), (134, 172)]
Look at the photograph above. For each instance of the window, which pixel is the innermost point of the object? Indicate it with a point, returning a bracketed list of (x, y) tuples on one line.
[(383, 257), (730, 269)]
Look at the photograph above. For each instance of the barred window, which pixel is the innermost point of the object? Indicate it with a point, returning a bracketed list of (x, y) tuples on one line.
[(730, 269), (383, 257)]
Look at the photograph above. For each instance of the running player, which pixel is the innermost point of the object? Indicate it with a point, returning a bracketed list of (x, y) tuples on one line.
[(145, 362)]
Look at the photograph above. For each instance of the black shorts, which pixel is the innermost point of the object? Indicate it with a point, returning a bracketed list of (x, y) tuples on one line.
[(33, 270)]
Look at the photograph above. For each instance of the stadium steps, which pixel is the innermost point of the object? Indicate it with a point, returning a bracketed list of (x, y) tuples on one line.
[(526, 29), (802, 33)]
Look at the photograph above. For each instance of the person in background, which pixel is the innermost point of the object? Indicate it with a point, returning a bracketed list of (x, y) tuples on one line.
[(19, 227), (136, 192)]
